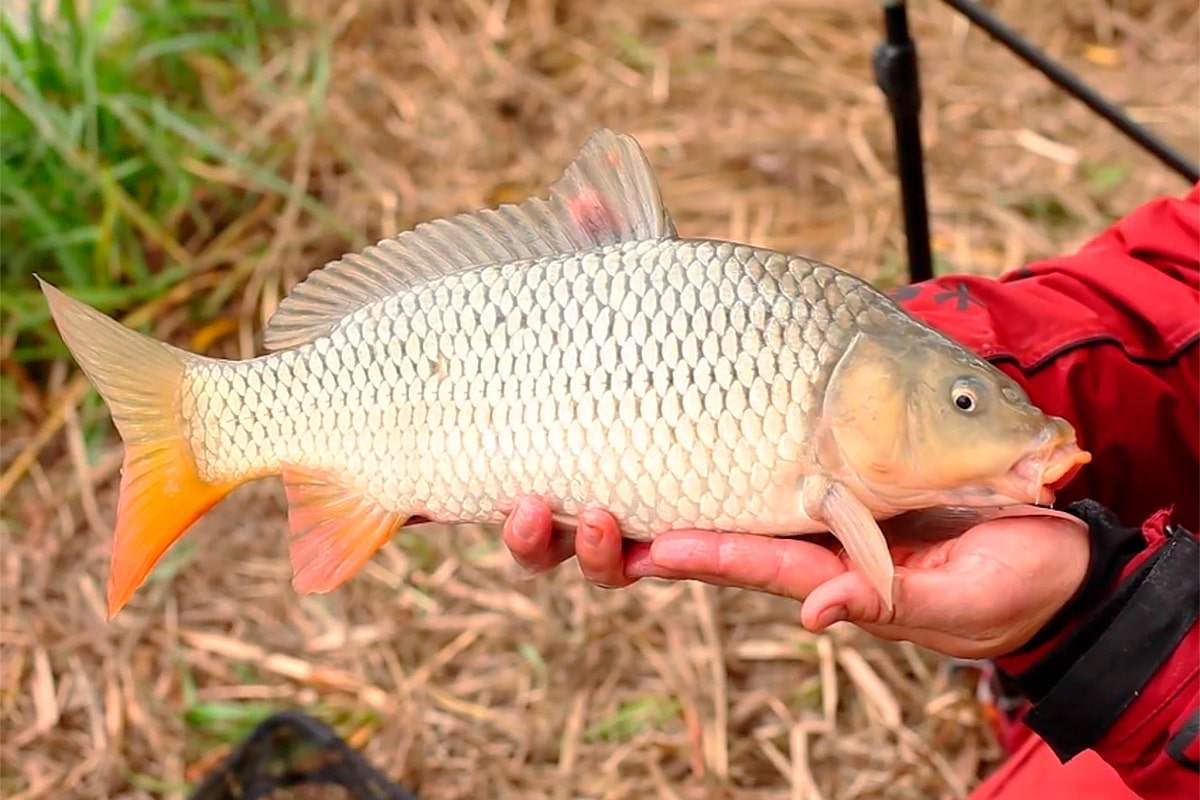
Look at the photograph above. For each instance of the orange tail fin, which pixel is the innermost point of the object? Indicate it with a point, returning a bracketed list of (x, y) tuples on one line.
[(161, 493)]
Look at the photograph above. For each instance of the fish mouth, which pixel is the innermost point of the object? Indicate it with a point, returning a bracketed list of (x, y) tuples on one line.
[(1038, 476)]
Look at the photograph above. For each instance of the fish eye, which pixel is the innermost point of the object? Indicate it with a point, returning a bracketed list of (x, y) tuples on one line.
[(964, 397)]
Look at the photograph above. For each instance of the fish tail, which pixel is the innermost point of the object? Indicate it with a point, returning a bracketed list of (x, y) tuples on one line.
[(161, 492)]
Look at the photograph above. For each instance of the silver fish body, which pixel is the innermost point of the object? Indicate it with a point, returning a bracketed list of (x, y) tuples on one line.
[(675, 383)]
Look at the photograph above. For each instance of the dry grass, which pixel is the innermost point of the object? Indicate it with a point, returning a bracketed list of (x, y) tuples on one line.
[(457, 677)]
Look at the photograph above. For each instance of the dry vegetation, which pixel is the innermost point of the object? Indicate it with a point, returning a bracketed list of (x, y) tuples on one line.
[(456, 677)]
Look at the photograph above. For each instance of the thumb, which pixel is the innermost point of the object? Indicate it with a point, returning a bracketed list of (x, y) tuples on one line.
[(922, 598), (848, 597)]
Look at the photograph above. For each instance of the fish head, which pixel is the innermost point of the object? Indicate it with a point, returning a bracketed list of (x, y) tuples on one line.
[(916, 420)]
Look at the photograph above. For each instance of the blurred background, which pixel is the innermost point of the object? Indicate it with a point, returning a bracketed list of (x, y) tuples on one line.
[(182, 164)]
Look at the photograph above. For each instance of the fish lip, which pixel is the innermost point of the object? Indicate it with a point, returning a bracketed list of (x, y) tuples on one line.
[(1039, 475)]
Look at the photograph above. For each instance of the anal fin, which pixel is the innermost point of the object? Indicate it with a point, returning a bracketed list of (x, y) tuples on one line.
[(335, 531)]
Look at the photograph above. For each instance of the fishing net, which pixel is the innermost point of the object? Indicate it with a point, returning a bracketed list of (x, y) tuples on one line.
[(291, 751)]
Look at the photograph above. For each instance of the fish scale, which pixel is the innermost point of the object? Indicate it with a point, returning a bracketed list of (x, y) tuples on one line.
[(574, 348)]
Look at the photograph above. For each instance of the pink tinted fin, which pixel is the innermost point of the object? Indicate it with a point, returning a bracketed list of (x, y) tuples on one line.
[(858, 531), (335, 531)]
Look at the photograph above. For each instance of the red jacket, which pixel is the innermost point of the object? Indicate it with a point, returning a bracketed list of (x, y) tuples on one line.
[(1107, 338)]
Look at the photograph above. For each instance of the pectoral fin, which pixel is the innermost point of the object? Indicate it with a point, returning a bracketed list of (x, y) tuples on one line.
[(855, 527)]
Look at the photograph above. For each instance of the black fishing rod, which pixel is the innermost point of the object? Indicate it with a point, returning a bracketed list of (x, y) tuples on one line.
[(897, 75)]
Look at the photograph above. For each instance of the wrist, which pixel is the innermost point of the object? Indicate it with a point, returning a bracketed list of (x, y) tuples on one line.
[(1138, 600), (1111, 547)]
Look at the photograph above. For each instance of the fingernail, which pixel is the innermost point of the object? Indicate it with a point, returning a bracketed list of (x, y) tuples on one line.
[(831, 616), (523, 524), (589, 534)]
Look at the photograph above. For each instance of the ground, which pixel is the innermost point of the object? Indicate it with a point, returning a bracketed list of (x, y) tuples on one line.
[(455, 675)]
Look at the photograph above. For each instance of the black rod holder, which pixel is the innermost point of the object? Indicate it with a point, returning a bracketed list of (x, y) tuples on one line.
[(896, 74)]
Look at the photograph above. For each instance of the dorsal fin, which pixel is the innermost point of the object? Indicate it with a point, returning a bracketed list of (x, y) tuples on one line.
[(608, 194)]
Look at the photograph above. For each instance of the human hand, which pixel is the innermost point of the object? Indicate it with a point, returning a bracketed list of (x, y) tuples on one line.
[(982, 594), (538, 546)]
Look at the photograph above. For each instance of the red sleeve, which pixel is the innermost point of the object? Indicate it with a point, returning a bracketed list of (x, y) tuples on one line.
[(1107, 338)]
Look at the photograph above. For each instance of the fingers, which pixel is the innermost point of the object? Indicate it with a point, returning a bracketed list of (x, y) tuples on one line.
[(528, 533), (944, 598), (848, 597), (599, 549), (787, 568), (537, 545), (851, 598)]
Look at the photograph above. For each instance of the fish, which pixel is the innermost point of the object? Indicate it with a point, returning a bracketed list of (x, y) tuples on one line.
[(574, 347)]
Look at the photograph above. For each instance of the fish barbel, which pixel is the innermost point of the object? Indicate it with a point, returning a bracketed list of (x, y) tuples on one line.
[(578, 349)]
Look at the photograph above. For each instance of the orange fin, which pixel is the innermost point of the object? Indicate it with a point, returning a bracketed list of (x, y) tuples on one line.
[(161, 496), (335, 531), (139, 379)]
